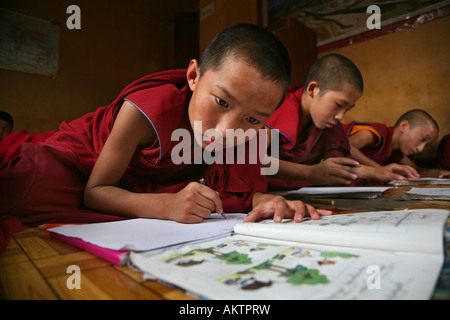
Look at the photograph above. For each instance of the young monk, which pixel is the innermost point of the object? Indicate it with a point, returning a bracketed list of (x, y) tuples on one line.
[(377, 145), (443, 152), (118, 162), (6, 124), (313, 145)]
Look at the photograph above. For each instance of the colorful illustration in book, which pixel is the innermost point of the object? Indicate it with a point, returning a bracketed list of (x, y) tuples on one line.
[(275, 268), (293, 265)]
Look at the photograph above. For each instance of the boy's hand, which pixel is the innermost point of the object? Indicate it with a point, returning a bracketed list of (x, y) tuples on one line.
[(266, 206), (444, 174), (393, 171), (194, 203), (434, 173), (396, 171), (334, 171)]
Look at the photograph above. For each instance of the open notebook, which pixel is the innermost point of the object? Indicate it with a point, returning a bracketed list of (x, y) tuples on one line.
[(113, 241), (368, 255), (337, 192)]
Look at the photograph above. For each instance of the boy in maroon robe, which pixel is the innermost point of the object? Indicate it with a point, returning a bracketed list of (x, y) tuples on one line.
[(6, 124), (377, 145), (118, 161), (314, 148), (443, 153)]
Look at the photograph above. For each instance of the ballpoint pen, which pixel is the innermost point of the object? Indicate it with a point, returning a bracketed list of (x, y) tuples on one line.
[(202, 181)]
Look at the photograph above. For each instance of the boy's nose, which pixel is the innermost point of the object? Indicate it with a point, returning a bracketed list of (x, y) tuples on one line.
[(340, 115), (226, 123), (420, 147)]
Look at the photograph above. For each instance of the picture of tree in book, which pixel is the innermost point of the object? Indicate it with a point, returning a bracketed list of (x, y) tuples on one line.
[(261, 275), (292, 265), (198, 256), (267, 273)]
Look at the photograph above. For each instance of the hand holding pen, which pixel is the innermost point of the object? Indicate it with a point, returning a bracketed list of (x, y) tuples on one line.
[(194, 203), (202, 181)]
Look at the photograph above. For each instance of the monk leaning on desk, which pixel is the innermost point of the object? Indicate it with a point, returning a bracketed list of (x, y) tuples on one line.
[(314, 148), (378, 145), (116, 162)]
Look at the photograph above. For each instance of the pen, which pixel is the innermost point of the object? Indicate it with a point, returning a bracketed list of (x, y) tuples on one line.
[(202, 181)]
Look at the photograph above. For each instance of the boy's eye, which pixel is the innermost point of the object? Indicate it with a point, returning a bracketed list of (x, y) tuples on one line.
[(340, 106), (221, 102), (253, 120)]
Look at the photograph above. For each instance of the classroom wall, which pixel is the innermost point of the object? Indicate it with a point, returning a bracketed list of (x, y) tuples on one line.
[(116, 45), (402, 71), (218, 14)]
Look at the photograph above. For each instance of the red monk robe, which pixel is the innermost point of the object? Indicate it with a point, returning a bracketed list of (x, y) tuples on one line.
[(308, 145), (381, 152), (443, 153), (43, 181)]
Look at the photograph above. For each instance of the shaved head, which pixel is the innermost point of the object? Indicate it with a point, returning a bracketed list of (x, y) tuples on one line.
[(418, 118), (333, 72), (257, 46)]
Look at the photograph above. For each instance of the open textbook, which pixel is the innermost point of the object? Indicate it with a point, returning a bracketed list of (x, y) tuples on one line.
[(337, 192), (428, 194), (370, 255), (420, 181), (113, 241)]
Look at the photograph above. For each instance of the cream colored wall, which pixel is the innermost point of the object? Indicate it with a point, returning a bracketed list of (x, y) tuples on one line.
[(402, 71)]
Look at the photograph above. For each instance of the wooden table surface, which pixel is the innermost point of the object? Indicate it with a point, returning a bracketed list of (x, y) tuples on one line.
[(34, 267)]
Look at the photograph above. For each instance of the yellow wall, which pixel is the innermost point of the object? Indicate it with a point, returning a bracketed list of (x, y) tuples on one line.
[(116, 45), (402, 71)]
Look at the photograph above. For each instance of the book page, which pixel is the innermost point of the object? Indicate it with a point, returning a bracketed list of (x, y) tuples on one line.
[(338, 192), (407, 230), (241, 268), (420, 181), (429, 193), (149, 234)]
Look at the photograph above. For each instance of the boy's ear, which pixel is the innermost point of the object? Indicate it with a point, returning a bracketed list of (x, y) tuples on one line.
[(403, 125), (312, 89), (193, 74)]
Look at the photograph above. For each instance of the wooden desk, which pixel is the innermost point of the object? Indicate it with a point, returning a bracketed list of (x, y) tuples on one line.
[(34, 266)]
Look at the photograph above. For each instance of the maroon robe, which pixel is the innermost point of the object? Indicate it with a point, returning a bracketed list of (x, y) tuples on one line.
[(43, 180), (443, 152), (308, 145), (382, 153)]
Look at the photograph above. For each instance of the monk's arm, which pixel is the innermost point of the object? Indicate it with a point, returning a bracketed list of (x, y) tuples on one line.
[(102, 193), (330, 171), (360, 140), (192, 204)]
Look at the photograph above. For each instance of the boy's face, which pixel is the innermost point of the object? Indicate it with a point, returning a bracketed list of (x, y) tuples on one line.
[(326, 110), (5, 128), (234, 97), (415, 140)]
